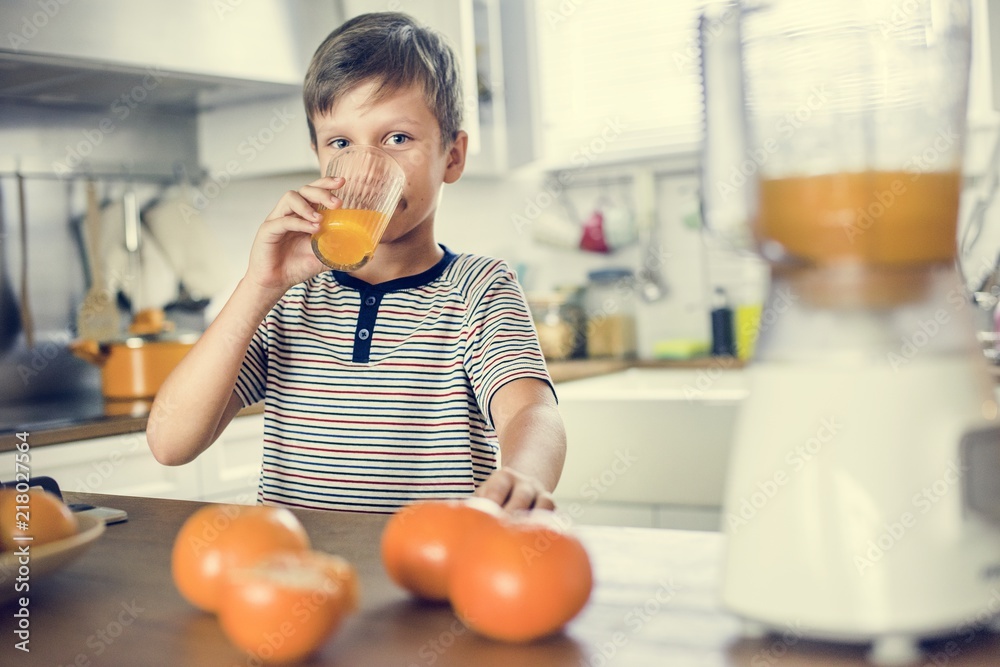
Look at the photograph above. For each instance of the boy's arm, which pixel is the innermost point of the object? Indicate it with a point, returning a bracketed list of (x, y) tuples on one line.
[(532, 446), (196, 402)]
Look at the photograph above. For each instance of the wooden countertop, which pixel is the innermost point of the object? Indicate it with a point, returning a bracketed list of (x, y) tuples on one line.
[(653, 604), (111, 424)]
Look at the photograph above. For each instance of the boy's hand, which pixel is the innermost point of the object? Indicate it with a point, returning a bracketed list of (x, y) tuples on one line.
[(282, 253), (514, 490)]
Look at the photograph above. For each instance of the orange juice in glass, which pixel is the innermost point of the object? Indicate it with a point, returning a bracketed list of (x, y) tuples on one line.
[(348, 235)]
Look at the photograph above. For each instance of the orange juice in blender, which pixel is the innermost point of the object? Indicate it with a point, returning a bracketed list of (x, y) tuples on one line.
[(888, 218)]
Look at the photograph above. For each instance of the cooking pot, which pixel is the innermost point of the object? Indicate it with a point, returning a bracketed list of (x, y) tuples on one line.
[(134, 367)]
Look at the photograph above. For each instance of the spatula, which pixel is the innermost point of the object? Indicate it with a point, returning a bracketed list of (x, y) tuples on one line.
[(98, 317)]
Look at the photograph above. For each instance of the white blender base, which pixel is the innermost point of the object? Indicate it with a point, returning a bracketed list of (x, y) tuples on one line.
[(845, 511)]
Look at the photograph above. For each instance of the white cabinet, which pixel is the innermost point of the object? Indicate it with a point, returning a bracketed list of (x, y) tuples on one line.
[(494, 41), (230, 468), (120, 464), (260, 138), (495, 44), (454, 20), (123, 465)]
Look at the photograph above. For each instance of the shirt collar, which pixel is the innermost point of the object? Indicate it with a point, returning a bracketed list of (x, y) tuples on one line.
[(404, 283)]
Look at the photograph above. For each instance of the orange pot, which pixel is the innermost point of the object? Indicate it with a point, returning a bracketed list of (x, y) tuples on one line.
[(133, 368)]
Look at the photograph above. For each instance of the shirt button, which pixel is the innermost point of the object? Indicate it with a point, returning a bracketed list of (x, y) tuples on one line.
[(363, 334), (370, 301)]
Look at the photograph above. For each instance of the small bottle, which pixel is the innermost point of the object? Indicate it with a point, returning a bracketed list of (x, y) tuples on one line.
[(723, 338)]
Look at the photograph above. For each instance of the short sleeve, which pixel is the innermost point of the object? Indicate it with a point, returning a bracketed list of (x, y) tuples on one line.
[(502, 345), (252, 378)]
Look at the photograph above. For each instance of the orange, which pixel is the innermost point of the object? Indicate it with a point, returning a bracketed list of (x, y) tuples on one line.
[(284, 607), (345, 235), (521, 579), (217, 539), (37, 514), (419, 541)]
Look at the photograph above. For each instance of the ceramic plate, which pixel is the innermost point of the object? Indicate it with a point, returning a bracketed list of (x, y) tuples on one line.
[(49, 557)]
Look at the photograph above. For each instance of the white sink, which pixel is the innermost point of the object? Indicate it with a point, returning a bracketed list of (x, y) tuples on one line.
[(654, 437)]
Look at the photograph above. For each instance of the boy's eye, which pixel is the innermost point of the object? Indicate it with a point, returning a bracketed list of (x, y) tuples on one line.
[(397, 139), (339, 143)]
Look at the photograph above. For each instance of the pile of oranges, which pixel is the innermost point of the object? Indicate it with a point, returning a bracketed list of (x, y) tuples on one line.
[(275, 598), (513, 578)]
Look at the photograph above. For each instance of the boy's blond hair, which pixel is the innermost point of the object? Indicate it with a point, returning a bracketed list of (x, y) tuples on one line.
[(393, 50)]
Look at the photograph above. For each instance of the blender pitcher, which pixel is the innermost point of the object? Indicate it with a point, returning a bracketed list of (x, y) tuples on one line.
[(833, 148), (839, 130)]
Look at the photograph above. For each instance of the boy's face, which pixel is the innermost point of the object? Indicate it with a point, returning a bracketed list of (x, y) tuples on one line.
[(403, 126)]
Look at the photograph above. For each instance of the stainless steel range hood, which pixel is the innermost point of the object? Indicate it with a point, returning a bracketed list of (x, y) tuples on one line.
[(185, 54)]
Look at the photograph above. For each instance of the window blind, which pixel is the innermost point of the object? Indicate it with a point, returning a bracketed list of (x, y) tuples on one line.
[(618, 77)]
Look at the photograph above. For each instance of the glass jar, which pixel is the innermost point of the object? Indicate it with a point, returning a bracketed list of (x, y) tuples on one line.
[(560, 322), (610, 306)]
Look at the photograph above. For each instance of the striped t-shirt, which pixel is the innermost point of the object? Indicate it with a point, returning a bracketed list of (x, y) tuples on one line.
[(378, 395)]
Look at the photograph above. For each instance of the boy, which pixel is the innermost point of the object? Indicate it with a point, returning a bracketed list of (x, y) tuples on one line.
[(399, 381)]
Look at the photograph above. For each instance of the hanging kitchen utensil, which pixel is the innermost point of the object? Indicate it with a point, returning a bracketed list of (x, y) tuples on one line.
[(130, 209), (193, 252), (10, 316), (98, 317), (27, 323), (649, 281)]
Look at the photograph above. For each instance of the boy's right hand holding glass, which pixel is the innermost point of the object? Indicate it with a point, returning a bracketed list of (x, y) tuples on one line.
[(282, 254)]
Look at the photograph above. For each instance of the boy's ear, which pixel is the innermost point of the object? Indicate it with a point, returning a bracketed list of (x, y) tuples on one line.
[(456, 157)]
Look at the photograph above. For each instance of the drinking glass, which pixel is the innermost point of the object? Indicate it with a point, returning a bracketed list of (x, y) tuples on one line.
[(348, 235)]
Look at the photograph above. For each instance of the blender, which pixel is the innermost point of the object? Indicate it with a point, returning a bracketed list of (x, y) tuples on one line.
[(863, 493)]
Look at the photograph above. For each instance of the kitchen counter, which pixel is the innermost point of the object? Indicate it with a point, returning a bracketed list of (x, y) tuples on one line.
[(654, 603), (87, 415), (76, 417)]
